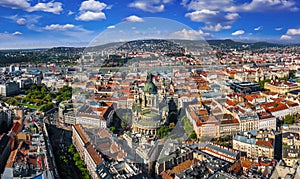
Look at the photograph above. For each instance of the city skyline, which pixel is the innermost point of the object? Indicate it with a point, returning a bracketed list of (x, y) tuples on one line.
[(43, 24)]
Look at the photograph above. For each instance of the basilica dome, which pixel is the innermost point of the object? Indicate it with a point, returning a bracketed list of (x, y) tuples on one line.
[(150, 86)]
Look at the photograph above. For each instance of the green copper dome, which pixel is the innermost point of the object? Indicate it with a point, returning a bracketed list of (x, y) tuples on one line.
[(150, 86)]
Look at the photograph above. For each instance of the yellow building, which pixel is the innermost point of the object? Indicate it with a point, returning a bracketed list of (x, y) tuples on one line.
[(87, 152), (291, 144), (282, 87), (255, 143)]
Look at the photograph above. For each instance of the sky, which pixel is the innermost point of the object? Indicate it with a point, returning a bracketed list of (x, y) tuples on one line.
[(49, 23)]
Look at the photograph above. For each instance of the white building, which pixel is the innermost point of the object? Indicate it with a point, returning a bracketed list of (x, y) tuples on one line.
[(9, 88), (266, 121), (95, 117)]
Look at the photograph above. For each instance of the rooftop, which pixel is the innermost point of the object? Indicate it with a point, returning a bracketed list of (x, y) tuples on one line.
[(94, 154), (81, 133)]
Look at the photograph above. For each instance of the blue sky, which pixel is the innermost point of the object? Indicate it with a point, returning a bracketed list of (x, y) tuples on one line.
[(48, 23)]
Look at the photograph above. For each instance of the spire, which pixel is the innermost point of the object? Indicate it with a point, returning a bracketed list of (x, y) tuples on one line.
[(149, 77)]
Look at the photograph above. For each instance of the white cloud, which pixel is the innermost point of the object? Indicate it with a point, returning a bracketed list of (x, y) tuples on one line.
[(59, 27), (203, 15), (216, 5), (9, 36), (28, 20), (238, 32), (258, 28), (91, 16), (263, 5), (227, 11), (190, 34), (212, 17), (70, 13), (91, 10), (111, 27), (294, 9), (92, 5), (69, 30), (133, 18), (285, 37), (52, 7), (17, 33), (278, 28), (78, 31), (167, 1), (216, 28), (293, 32), (15, 4), (232, 16), (21, 21), (109, 7), (150, 6), (234, 6)]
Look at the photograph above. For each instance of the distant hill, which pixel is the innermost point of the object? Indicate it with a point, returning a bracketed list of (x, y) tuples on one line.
[(154, 45), (151, 45), (228, 43), (108, 46), (65, 50)]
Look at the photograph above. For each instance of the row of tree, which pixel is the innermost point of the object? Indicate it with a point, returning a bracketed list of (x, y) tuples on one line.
[(78, 162)]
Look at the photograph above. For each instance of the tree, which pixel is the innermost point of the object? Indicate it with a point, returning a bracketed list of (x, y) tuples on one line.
[(123, 125), (112, 129), (78, 163), (172, 125), (76, 157), (46, 107), (12, 101), (163, 131), (289, 119), (71, 149), (44, 89), (193, 135), (33, 87)]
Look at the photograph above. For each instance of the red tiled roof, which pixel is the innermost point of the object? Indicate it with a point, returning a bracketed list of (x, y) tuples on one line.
[(230, 103), (230, 121), (165, 175), (94, 154), (265, 115), (114, 147), (246, 163), (181, 167), (278, 108), (104, 145), (12, 157), (202, 112), (249, 98), (121, 155), (291, 103), (262, 163), (81, 133), (270, 107), (103, 133), (232, 72), (264, 143), (16, 127)]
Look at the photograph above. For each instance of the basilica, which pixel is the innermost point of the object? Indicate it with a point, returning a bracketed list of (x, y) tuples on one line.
[(150, 106)]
